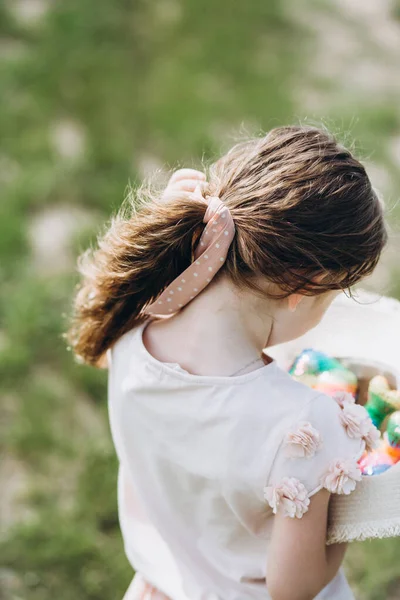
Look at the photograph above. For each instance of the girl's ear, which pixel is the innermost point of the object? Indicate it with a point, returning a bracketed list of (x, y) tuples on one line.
[(294, 300)]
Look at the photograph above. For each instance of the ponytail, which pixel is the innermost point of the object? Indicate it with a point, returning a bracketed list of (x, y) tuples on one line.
[(302, 205), (144, 249)]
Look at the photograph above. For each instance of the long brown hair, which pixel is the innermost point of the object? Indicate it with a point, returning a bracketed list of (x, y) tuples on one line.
[(302, 206)]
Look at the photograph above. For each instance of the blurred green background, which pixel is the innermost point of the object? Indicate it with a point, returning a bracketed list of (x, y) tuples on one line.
[(96, 93)]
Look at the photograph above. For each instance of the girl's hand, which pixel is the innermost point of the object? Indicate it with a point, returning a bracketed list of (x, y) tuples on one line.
[(184, 180)]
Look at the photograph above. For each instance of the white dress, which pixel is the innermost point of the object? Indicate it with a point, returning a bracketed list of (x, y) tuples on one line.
[(197, 454)]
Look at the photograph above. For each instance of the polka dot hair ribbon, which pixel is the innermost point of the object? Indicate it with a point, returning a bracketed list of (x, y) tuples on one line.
[(209, 256)]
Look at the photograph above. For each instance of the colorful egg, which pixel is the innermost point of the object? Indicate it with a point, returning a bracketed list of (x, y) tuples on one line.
[(323, 373), (393, 430), (312, 362), (382, 401), (376, 469), (337, 380), (375, 462)]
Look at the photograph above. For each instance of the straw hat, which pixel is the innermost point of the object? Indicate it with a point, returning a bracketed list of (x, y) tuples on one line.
[(371, 511), (365, 335)]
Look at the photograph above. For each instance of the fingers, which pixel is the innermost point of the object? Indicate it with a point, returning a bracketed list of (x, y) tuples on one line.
[(173, 194), (186, 174), (186, 182), (187, 185), (198, 192)]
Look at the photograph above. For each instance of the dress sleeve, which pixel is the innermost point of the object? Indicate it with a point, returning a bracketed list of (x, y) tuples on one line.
[(320, 449)]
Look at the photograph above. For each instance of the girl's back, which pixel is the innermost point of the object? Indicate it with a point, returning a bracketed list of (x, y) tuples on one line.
[(226, 463), (196, 453)]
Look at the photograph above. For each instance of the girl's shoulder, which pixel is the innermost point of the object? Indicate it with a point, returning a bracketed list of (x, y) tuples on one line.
[(319, 449), (294, 440)]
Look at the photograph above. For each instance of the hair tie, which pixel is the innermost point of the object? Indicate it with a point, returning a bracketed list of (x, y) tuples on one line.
[(209, 256)]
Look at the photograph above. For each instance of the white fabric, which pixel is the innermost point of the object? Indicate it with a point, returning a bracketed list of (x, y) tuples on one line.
[(324, 415), (195, 455)]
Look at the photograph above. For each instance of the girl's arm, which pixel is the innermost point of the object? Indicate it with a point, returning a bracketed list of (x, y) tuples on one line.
[(300, 564), (318, 455)]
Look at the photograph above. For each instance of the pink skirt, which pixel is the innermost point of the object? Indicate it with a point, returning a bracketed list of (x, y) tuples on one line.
[(140, 589)]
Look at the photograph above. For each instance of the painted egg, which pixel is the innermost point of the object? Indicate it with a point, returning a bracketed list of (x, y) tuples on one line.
[(375, 462), (382, 401), (393, 430), (323, 373)]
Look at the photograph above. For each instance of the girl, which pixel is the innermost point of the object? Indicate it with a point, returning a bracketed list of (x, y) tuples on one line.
[(226, 463)]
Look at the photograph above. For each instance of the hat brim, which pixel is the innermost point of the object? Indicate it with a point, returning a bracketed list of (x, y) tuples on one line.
[(371, 511)]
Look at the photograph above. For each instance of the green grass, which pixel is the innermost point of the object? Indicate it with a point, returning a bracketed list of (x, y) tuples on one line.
[(374, 569), (166, 81)]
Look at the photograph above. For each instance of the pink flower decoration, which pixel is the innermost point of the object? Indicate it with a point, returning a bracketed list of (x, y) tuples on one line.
[(304, 442), (355, 420), (342, 476), (342, 397), (290, 495), (371, 438)]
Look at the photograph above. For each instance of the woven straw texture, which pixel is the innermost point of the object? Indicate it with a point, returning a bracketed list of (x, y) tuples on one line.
[(371, 511)]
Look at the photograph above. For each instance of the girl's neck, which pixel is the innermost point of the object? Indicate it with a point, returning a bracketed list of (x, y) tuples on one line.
[(228, 314), (217, 333)]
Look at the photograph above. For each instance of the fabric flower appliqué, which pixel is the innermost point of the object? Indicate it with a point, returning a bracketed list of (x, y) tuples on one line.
[(355, 420), (371, 438), (290, 495), (303, 442), (342, 476), (342, 398)]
